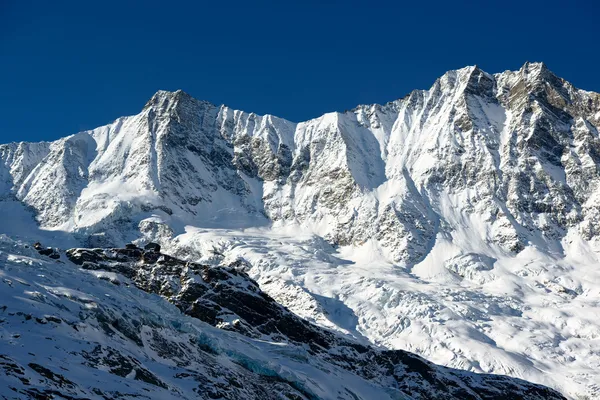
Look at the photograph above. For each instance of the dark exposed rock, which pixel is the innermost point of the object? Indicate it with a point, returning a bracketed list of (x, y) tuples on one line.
[(48, 374), (8, 366), (48, 394), (155, 247), (120, 365), (47, 251), (84, 256)]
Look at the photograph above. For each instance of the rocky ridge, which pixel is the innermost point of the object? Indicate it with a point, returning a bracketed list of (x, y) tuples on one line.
[(519, 149)]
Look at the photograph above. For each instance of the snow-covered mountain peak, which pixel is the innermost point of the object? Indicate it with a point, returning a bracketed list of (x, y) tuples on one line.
[(485, 186), (178, 105), (536, 70), (167, 96), (179, 152)]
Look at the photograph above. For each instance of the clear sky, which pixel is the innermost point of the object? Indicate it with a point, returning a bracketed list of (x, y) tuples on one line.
[(67, 66)]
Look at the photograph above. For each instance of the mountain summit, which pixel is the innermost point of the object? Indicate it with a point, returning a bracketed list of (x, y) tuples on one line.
[(484, 189), (518, 149)]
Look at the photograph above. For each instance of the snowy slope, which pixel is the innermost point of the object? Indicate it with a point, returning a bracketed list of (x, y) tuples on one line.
[(98, 330), (531, 315), (459, 222)]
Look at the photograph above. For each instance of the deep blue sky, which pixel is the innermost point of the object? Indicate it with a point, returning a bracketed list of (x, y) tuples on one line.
[(66, 66)]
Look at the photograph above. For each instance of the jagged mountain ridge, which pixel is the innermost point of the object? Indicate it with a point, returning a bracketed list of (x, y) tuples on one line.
[(522, 147), (452, 184)]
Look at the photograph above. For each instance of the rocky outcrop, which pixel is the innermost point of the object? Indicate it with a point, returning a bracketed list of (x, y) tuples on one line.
[(46, 251)]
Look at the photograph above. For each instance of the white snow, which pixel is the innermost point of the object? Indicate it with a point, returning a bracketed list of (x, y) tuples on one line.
[(59, 345), (460, 235), (524, 321)]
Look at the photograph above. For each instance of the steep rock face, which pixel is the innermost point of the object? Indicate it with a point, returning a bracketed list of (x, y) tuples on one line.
[(66, 168), (18, 160), (544, 186)]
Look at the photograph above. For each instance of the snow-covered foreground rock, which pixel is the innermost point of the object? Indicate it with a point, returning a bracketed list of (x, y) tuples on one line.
[(460, 222), (96, 328)]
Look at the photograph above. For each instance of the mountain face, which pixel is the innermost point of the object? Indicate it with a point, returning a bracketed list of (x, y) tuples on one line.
[(460, 222), (519, 150)]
